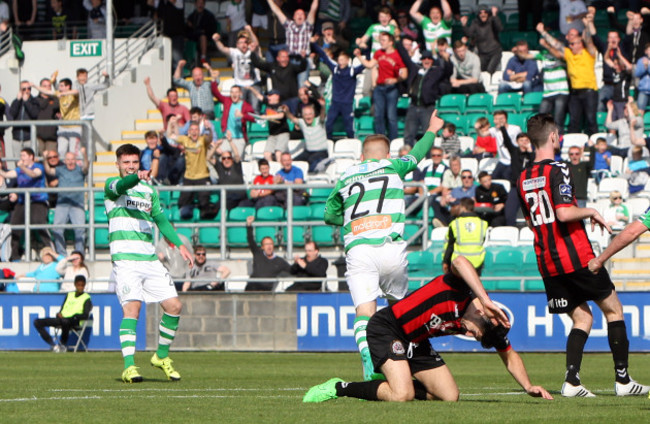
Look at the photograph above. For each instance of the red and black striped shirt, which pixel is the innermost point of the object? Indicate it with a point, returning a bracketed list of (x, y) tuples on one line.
[(561, 247), (434, 310)]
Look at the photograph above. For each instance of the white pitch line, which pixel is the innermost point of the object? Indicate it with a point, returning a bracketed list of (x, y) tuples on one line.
[(144, 389)]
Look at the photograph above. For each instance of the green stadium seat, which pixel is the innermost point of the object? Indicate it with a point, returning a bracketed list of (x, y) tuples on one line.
[(165, 198), (258, 130), (479, 103), (509, 285), (101, 238), (98, 197), (646, 121), (210, 236), (459, 120), (510, 102), (452, 103), (364, 126), (236, 236), (534, 285), (4, 215), (403, 102), (420, 263), (531, 101), (300, 213), (100, 214), (362, 106), (506, 262), (319, 194), (324, 235), (270, 213), (410, 230), (601, 117), (50, 216), (186, 231), (520, 119)]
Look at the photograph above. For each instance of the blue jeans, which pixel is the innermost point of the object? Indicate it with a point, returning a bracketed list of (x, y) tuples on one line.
[(527, 87), (65, 213), (642, 100), (385, 98), (557, 105), (605, 93)]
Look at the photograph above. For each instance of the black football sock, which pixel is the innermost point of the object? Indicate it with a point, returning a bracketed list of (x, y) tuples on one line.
[(619, 345), (364, 390), (420, 390), (575, 345)]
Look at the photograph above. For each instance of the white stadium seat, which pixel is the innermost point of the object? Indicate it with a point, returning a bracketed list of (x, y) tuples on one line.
[(503, 236)]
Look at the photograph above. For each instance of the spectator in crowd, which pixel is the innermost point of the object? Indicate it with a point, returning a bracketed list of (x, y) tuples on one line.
[(236, 113), (172, 160), (262, 197), (206, 127), (71, 266), (53, 160), (298, 32), (172, 15), (622, 77), (490, 200), (556, 86), (278, 139), (642, 72), (311, 265), (235, 20), (4, 15), (169, 108), (229, 171), (581, 172), (173, 260), (503, 169), (432, 174), (28, 174), (602, 159), (637, 171), (47, 279), (631, 120), (484, 34), (199, 89), (450, 142), (637, 34), (205, 270), (59, 18), (466, 189), (406, 27), (201, 24), (466, 237), (391, 70), (96, 18), (423, 83), (277, 36), (334, 12), (527, 7), (521, 73), (76, 307), (283, 74), (24, 14), (87, 92), (3, 109), (412, 49), (195, 148), (344, 81), (434, 26), (521, 154), (333, 44), (451, 179), (466, 77), (486, 142), (580, 57), (386, 24), (266, 264), (244, 74), (150, 155), (616, 214), (70, 205), (290, 174), (411, 193), (23, 108), (571, 14), (48, 109), (308, 95), (314, 134)]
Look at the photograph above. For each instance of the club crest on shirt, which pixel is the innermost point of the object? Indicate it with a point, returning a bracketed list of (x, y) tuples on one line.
[(397, 347), (565, 190)]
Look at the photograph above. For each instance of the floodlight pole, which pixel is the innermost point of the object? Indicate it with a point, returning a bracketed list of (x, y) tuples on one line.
[(110, 52)]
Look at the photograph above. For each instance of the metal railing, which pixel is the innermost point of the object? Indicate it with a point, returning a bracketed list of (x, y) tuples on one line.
[(5, 41)]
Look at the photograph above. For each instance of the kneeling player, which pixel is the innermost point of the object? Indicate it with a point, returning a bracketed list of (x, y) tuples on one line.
[(398, 337)]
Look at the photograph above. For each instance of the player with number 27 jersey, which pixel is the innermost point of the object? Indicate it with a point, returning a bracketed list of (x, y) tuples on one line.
[(561, 247)]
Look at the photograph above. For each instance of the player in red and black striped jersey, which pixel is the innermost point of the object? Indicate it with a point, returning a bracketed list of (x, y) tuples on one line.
[(398, 338), (547, 197)]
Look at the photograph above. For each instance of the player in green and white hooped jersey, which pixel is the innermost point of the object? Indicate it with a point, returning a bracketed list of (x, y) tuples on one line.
[(368, 201), (436, 25), (133, 209)]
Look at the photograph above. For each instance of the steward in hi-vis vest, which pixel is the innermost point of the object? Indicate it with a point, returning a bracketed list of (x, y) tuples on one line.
[(466, 237)]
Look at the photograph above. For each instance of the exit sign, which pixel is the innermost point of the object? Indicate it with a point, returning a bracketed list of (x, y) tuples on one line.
[(85, 48)]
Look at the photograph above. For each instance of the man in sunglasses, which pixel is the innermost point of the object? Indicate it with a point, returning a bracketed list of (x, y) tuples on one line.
[(229, 171), (398, 337), (23, 108)]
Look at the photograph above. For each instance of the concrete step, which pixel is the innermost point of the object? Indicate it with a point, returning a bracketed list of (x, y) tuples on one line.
[(117, 143), (106, 157), (104, 167), (100, 177), (642, 251), (154, 114), (149, 124), (632, 285), (133, 136), (636, 264)]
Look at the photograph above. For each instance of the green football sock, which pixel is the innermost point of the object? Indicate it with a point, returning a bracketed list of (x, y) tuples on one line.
[(360, 324), (127, 340), (167, 328)]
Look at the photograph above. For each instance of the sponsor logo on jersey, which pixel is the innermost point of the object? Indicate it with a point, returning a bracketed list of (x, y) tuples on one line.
[(398, 348), (533, 183), (142, 205), (376, 222), (565, 190)]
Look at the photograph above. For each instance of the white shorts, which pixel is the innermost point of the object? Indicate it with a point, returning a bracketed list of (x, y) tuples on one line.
[(277, 143), (144, 281), (377, 271), (260, 21)]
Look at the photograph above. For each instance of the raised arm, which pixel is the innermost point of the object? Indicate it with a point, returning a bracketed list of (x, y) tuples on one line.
[(552, 41), (415, 11), (367, 63), (290, 116), (589, 43), (278, 12), (155, 100), (446, 10), (311, 17), (222, 48), (178, 70)]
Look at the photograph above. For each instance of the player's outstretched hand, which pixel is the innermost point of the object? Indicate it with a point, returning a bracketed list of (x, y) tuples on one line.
[(186, 255), (597, 219), (539, 391), (435, 123), (594, 265), (144, 175)]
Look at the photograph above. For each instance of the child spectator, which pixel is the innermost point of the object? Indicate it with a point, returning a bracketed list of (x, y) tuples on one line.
[(261, 197), (602, 159), (450, 142), (314, 133), (616, 214), (486, 143), (150, 155), (642, 72), (622, 77), (344, 81)]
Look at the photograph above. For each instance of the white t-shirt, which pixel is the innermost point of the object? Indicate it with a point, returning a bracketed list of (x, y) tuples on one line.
[(236, 12), (244, 73), (502, 150)]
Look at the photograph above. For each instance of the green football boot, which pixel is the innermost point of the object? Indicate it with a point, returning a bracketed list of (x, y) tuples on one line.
[(322, 392)]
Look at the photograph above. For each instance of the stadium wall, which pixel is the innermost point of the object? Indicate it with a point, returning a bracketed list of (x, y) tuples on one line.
[(301, 322)]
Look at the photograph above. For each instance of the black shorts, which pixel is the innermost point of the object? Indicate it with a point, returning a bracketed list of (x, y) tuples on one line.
[(387, 341), (565, 292)]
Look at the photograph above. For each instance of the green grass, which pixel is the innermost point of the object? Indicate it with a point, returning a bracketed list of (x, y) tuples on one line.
[(236, 387)]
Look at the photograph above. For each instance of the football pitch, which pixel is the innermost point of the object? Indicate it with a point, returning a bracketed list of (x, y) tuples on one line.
[(250, 387)]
